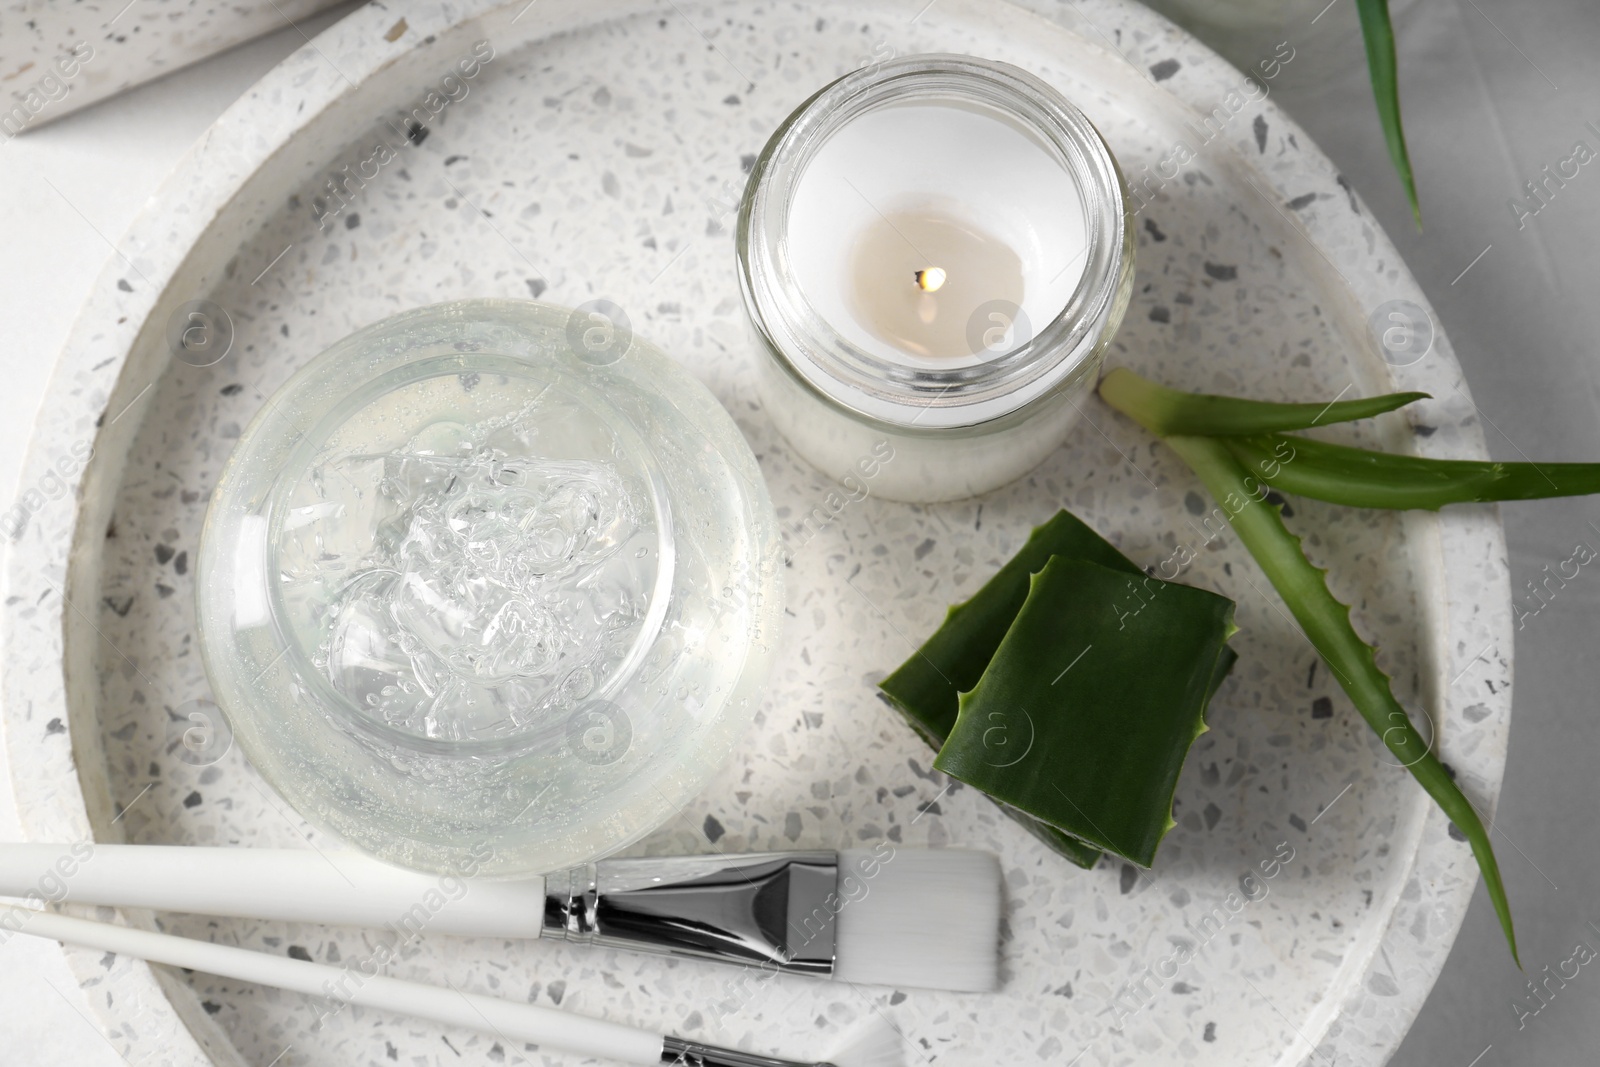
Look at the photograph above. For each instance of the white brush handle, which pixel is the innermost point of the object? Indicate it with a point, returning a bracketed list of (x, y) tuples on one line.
[(295, 885), (505, 1018)]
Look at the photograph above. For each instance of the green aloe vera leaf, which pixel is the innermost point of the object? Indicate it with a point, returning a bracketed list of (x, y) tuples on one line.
[(1086, 712), (1365, 479), (1080, 853), (1378, 34), (926, 688), (1225, 661), (1166, 411), (1326, 622)]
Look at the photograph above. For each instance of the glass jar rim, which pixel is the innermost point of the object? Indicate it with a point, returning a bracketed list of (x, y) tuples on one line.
[(868, 386), (618, 768)]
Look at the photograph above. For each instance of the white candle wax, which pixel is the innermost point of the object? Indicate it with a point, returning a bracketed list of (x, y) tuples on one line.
[(942, 186), (935, 252)]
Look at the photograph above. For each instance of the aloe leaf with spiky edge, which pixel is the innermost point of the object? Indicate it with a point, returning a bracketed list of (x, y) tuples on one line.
[(927, 688), (1378, 34), (1167, 411), (1085, 725), (1323, 618), (1361, 478), (1326, 622)]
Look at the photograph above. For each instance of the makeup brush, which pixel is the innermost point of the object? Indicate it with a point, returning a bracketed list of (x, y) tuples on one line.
[(876, 1046), (925, 918)]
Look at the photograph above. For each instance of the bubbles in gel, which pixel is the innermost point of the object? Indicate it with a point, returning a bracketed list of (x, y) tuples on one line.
[(462, 586)]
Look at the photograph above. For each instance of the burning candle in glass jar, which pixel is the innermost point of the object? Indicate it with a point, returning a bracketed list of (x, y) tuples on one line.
[(935, 252), (925, 312), (937, 232)]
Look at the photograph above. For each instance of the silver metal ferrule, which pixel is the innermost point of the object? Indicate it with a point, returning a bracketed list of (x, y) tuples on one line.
[(767, 908), (675, 1050)]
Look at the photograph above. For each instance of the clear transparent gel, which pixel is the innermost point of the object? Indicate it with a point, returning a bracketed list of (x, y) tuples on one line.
[(467, 593), (460, 587)]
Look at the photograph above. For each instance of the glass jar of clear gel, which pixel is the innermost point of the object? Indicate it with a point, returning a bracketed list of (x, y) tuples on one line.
[(489, 579), (935, 252)]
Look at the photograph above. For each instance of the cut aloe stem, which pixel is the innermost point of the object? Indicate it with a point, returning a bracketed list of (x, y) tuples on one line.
[(1166, 411), (1326, 622), (1085, 725), (1365, 479)]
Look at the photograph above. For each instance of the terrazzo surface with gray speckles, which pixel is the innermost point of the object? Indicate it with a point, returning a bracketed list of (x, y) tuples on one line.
[(119, 44), (600, 163)]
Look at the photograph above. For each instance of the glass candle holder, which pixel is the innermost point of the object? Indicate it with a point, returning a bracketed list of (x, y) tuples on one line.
[(490, 584), (934, 252)]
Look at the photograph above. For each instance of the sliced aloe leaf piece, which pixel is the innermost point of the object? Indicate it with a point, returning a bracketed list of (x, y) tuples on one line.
[(1086, 712), (1080, 853), (927, 687), (1225, 661), (1165, 411), (1326, 623), (1365, 479)]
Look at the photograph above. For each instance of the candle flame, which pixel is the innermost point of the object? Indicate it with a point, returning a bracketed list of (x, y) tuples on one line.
[(930, 278)]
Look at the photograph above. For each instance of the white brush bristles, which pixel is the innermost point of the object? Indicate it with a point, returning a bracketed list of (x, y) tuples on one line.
[(875, 1044), (928, 918)]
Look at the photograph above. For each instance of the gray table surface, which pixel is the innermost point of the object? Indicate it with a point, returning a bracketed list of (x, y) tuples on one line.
[(1494, 91)]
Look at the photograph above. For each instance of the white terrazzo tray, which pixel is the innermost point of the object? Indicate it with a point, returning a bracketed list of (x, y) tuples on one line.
[(58, 57), (600, 153)]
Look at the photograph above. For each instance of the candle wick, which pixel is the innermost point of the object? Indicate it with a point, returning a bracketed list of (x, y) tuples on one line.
[(929, 279)]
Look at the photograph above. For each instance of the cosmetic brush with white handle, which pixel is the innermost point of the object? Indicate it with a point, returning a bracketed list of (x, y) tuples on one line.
[(505, 1018), (926, 918)]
